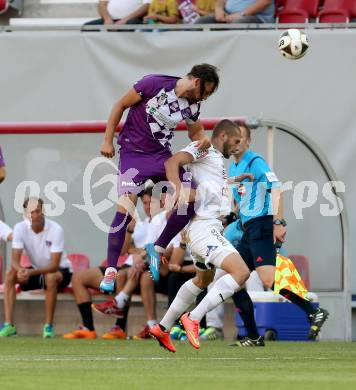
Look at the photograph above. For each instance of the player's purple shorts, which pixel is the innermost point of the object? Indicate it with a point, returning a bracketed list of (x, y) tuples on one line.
[(136, 168)]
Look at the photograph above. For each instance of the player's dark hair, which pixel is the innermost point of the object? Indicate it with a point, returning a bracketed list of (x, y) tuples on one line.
[(247, 129), (227, 126), (207, 74), (25, 202), (147, 191)]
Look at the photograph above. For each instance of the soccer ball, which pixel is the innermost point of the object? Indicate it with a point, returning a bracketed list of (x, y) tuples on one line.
[(293, 44)]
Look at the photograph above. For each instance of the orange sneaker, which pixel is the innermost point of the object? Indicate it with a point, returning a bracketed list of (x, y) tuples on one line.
[(114, 333), (162, 337), (81, 333), (191, 328), (108, 308), (144, 334)]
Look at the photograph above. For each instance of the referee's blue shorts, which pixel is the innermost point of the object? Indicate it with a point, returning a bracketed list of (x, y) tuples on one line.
[(256, 246)]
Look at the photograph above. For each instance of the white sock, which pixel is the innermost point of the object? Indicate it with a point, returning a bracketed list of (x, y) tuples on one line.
[(151, 323), (121, 299), (223, 289), (186, 295)]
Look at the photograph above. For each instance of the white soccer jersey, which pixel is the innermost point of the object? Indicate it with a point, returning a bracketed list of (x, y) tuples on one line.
[(39, 246), (209, 173), (5, 231), (149, 230)]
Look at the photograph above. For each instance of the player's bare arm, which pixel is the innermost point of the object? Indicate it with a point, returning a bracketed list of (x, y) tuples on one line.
[(220, 10), (279, 231), (196, 133), (172, 166), (52, 267), (126, 101), (2, 174), (15, 259), (238, 179)]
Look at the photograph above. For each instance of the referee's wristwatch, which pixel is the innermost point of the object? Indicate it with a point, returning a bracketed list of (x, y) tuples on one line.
[(280, 222)]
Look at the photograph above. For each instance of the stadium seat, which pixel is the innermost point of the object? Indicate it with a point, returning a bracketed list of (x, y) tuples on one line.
[(79, 261), (25, 261), (302, 264), (335, 11), (352, 9), (295, 16), (120, 261), (4, 5), (279, 5), (294, 11)]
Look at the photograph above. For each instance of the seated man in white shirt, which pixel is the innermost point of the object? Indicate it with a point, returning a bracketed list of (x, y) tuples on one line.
[(132, 274), (43, 241), (121, 12)]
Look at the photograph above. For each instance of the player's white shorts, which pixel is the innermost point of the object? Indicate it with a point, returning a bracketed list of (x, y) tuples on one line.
[(208, 247)]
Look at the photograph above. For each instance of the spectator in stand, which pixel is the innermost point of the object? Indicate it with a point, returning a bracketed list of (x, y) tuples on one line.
[(241, 11), (50, 269), (2, 167), (121, 12), (5, 232), (191, 10), (162, 11)]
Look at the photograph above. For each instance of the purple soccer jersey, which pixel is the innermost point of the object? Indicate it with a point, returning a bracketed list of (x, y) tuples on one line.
[(150, 123), (2, 161)]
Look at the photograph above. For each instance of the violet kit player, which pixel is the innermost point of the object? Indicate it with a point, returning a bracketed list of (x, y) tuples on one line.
[(156, 103)]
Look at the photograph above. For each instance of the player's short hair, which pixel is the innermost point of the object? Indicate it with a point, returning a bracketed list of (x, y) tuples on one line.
[(207, 74), (227, 126), (25, 202), (247, 129), (147, 191)]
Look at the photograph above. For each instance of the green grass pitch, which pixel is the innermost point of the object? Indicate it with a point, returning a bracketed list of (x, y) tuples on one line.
[(33, 363)]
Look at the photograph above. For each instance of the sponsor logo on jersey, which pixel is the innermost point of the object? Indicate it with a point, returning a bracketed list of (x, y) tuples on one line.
[(211, 248), (201, 153), (219, 237), (271, 177)]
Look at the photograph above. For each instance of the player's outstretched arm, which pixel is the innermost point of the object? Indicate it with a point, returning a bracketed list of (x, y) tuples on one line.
[(238, 179), (172, 166), (196, 133), (126, 101)]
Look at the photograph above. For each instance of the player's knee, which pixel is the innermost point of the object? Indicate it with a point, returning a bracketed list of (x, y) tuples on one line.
[(10, 276), (146, 280), (52, 280), (202, 281), (267, 280)]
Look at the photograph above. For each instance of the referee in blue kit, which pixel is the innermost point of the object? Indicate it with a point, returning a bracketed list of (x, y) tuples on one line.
[(261, 214)]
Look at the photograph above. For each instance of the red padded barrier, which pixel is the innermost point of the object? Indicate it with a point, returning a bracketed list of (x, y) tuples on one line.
[(84, 127)]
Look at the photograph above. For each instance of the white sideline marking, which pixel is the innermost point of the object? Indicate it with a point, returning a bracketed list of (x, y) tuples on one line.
[(108, 359)]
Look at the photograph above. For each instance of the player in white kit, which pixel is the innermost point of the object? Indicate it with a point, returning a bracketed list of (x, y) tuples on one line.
[(209, 249)]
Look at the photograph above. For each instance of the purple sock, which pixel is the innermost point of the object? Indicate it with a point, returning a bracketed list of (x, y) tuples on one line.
[(175, 224), (117, 237)]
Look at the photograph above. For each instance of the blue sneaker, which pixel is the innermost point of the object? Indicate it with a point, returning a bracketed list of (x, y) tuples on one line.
[(107, 285), (176, 332), (48, 331), (154, 260)]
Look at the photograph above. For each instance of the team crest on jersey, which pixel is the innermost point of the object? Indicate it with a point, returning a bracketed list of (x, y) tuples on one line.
[(48, 243), (200, 153), (162, 99), (211, 248)]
